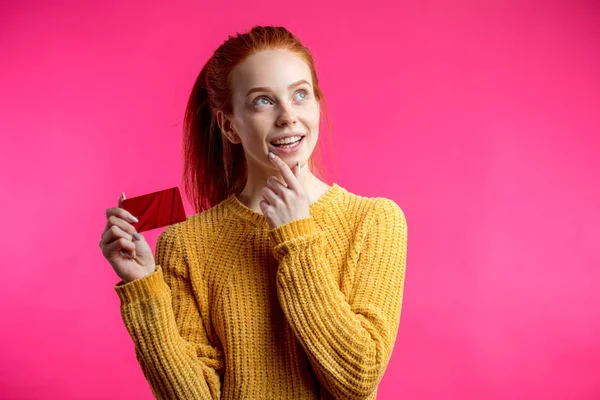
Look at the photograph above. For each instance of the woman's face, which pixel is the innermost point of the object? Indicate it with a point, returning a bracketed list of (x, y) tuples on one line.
[(272, 95)]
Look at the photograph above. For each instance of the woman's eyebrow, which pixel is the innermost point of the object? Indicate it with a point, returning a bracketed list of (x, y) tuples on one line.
[(266, 89)]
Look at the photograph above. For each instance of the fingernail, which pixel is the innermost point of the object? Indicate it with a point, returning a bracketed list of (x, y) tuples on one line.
[(271, 155), (123, 195), (132, 218), (137, 236)]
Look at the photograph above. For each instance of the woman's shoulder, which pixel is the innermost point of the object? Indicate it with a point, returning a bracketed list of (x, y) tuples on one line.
[(367, 215), (364, 207), (196, 228)]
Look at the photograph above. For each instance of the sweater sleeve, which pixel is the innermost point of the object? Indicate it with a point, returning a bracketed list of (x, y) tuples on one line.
[(163, 319), (348, 341)]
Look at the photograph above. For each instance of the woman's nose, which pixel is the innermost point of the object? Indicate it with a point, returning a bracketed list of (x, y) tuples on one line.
[(287, 116)]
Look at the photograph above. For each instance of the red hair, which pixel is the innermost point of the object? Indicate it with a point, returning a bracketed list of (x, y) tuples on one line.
[(214, 168)]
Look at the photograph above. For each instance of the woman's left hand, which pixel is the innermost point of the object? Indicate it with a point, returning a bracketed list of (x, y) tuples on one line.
[(283, 204)]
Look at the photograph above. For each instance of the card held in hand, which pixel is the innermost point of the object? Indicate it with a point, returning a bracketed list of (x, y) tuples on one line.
[(156, 209)]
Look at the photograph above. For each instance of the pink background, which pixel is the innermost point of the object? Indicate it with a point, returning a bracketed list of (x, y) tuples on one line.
[(480, 119)]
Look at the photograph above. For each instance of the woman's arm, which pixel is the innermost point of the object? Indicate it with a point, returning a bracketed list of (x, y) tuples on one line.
[(349, 341), (164, 321)]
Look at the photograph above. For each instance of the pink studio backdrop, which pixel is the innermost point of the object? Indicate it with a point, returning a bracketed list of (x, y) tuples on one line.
[(479, 119)]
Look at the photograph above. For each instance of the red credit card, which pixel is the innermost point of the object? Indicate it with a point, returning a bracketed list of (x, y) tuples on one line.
[(156, 209)]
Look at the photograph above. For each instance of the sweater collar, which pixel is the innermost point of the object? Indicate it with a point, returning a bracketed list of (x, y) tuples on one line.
[(323, 202)]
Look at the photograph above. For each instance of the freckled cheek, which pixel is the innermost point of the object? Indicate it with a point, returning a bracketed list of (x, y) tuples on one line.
[(310, 116), (258, 126), (314, 125)]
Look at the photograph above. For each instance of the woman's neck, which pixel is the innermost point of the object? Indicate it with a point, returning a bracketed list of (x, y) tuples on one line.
[(251, 194)]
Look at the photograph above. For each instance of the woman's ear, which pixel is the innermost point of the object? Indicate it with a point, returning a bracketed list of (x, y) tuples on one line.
[(226, 127)]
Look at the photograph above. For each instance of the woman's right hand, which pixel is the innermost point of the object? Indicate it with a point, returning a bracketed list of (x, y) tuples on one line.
[(130, 257)]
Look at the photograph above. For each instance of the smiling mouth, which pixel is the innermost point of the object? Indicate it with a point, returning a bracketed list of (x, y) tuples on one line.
[(288, 145)]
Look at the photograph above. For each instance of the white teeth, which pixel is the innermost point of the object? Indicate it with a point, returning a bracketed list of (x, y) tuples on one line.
[(288, 140), (287, 146)]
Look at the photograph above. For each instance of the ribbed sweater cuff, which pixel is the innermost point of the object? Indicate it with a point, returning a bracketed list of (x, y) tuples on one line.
[(142, 287), (292, 229)]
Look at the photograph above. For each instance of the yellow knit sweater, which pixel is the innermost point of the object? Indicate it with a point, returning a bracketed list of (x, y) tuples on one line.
[(308, 310)]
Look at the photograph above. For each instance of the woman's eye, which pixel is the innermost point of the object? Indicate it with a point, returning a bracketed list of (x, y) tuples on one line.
[(260, 98), (304, 92)]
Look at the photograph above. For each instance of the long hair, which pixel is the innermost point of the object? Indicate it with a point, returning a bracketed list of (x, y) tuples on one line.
[(214, 168)]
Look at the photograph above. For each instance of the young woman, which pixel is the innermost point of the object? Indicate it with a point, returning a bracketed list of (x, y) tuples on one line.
[(281, 286)]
